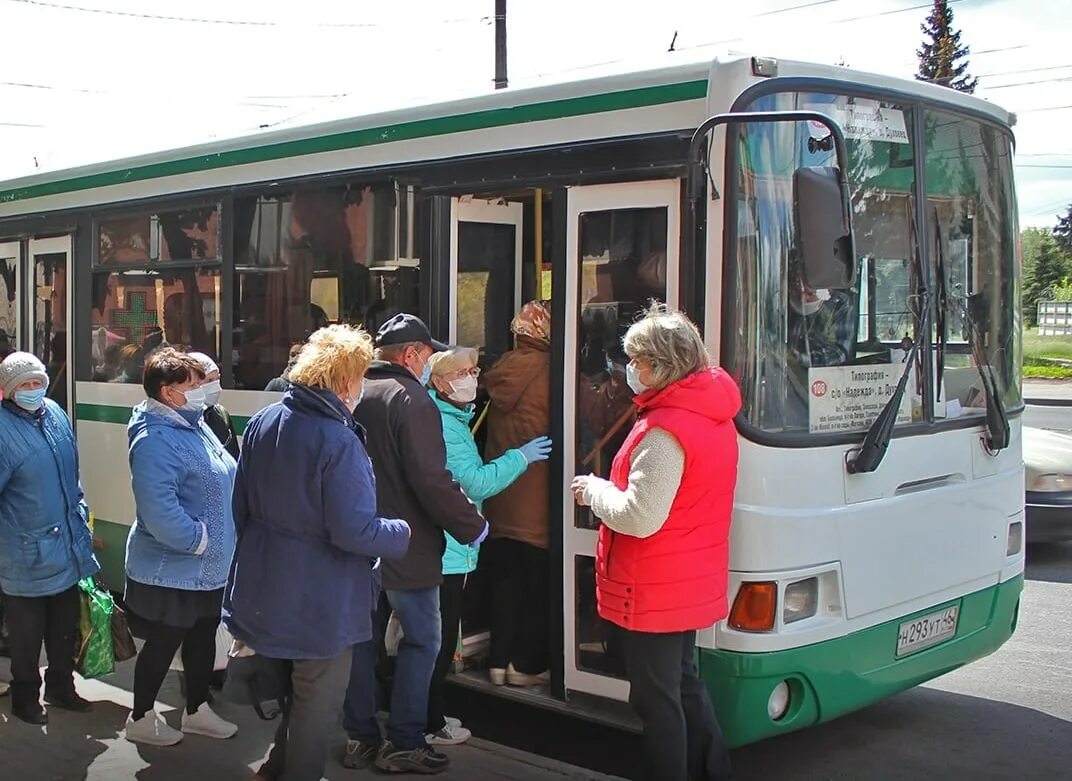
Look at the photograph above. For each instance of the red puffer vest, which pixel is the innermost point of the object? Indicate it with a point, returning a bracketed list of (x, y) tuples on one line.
[(675, 580)]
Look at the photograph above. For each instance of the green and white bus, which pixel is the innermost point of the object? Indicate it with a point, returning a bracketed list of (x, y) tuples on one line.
[(851, 578)]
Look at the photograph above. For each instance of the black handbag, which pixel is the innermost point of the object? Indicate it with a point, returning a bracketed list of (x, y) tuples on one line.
[(259, 681), (122, 640)]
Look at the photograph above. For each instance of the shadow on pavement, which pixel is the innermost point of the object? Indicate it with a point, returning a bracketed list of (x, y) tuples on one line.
[(1050, 562), (922, 733)]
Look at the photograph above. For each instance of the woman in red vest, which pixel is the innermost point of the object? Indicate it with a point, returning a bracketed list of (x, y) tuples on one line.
[(662, 557)]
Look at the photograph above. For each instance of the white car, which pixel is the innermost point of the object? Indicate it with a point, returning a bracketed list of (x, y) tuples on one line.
[(1048, 484)]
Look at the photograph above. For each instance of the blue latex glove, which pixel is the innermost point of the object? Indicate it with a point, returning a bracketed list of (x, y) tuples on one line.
[(483, 536), (537, 450)]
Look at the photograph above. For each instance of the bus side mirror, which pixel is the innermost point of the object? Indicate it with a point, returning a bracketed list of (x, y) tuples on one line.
[(823, 212)]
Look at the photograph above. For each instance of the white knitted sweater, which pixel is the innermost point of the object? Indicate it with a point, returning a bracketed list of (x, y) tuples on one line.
[(655, 469)]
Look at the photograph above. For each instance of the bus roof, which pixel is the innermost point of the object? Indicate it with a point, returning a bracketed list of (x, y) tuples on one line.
[(671, 79)]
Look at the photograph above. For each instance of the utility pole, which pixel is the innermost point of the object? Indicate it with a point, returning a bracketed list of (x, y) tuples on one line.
[(500, 44)]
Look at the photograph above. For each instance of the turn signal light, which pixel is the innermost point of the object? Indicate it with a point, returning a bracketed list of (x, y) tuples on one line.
[(754, 606)]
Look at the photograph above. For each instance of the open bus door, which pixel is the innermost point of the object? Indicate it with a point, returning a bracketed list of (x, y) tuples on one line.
[(622, 250)]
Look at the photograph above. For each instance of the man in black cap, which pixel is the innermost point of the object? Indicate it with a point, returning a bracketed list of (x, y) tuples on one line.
[(405, 442)]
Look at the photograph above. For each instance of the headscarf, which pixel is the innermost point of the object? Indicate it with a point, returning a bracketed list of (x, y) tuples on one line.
[(534, 320)]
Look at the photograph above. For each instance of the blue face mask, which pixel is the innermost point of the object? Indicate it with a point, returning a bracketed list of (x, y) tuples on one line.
[(30, 400), (426, 374)]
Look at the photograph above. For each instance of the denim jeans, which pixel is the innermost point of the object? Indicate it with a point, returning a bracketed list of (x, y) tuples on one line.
[(418, 612)]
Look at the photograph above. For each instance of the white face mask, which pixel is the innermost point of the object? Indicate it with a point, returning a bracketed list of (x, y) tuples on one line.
[(212, 392), (632, 379), (195, 400), (464, 389)]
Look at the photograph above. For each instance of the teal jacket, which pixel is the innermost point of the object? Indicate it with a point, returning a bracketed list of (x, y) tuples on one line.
[(477, 479)]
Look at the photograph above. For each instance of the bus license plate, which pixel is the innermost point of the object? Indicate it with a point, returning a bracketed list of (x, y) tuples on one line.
[(927, 630)]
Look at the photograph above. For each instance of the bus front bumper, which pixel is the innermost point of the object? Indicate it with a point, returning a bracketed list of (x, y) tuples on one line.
[(835, 677)]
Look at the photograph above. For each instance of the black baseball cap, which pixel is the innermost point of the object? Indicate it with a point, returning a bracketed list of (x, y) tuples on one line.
[(403, 328)]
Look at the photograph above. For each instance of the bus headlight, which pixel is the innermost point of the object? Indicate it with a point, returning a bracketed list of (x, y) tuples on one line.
[(801, 600), (778, 702)]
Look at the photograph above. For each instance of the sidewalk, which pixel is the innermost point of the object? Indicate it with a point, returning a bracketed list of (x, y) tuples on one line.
[(76, 746), (1048, 392)]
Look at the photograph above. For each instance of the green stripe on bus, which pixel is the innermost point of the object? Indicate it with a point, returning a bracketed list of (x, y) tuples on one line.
[(105, 413), (405, 131)]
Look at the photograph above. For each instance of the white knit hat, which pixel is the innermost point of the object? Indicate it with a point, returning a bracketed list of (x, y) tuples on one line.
[(18, 368), (207, 364)]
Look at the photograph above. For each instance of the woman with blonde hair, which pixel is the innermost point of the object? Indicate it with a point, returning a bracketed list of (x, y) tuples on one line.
[(305, 579), (665, 512)]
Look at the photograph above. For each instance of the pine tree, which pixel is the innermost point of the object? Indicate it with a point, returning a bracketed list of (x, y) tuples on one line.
[(1062, 231), (1051, 267), (942, 59)]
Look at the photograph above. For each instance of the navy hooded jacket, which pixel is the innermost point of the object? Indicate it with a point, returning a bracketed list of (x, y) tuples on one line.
[(304, 579)]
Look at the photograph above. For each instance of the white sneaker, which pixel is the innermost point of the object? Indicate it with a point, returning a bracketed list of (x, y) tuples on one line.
[(497, 675), (207, 723), (452, 721), (515, 678), (151, 730), (448, 735)]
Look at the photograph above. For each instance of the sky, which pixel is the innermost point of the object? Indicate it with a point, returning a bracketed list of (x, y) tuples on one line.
[(83, 81)]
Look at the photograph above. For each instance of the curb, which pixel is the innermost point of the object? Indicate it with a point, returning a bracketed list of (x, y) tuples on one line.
[(1048, 402)]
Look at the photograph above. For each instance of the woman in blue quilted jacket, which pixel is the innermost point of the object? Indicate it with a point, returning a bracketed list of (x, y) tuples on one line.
[(180, 547), (45, 544), (453, 383)]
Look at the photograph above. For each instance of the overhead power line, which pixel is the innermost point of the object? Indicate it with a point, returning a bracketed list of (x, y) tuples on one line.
[(232, 22), (891, 13), (1022, 70), (1028, 83)]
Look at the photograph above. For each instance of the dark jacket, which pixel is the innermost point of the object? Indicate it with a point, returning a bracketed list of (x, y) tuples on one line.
[(520, 389), (303, 583), (405, 440), (219, 420)]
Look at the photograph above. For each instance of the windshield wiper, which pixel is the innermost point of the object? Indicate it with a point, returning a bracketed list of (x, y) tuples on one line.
[(878, 437), (997, 421)]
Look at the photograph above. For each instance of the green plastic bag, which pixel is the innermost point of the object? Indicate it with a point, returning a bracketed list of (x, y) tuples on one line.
[(96, 655)]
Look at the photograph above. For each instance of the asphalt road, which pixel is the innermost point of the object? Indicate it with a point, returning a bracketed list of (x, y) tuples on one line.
[(1052, 417)]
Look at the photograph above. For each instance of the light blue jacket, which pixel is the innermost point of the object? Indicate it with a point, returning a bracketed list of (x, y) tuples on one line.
[(184, 534), (477, 479), (45, 544)]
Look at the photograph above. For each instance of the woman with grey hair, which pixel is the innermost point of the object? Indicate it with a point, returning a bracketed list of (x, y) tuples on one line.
[(665, 513)]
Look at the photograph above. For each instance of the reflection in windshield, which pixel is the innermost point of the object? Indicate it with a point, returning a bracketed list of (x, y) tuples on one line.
[(819, 360)]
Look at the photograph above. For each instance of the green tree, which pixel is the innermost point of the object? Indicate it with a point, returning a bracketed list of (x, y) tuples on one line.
[(942, 58), (1052, 265), (1062, 231), (1030, 239)]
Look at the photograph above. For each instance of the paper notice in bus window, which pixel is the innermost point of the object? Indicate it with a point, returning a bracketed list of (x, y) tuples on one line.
[(849, 398), (864, 120)]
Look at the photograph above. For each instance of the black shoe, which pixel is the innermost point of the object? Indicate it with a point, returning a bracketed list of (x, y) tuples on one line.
[(423, 759), (69, 701), (30, 712), (360, 755)]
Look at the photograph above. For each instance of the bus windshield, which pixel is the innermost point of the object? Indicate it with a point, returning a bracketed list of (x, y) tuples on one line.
[(824, 361)]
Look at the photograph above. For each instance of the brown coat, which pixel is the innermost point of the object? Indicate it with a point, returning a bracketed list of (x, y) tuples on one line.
[(520, 389)]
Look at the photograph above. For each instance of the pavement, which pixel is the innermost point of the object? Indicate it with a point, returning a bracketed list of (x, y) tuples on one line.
[(91, 746), (1048, 392)]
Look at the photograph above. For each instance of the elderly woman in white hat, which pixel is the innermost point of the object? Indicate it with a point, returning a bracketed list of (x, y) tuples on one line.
[(216, 415), (45, 543), (453, 385)]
